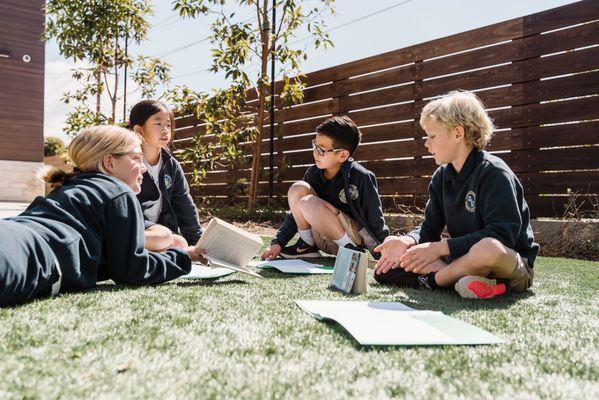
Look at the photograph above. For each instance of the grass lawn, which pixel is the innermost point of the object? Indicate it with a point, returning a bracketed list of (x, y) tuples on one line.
[(243, 337)]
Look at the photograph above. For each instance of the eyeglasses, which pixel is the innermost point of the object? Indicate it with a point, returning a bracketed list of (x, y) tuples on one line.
[(320, 151)]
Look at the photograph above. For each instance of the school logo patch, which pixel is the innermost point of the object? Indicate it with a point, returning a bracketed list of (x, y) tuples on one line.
[(168, 182), (470, 201), (353, 194)]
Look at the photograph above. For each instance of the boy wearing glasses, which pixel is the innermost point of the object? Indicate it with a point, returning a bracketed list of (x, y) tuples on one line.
[(474, 194), (336, 204)]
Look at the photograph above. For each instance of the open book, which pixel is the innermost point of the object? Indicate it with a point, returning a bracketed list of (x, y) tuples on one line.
[(229, 247)]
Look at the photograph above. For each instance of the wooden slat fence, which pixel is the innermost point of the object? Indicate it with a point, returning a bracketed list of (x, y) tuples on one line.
[(538, 76)]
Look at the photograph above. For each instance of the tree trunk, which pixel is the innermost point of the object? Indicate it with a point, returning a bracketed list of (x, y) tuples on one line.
[(265, 39), (98, 90), (116, 80)]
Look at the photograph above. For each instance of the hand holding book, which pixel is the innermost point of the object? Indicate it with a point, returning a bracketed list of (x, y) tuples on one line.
[(196, 254)]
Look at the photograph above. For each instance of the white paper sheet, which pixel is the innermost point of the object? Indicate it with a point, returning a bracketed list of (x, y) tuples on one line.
[(199, 271), (390, 323), (293, 266)]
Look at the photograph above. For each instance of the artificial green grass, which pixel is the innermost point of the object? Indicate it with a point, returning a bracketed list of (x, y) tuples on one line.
[(244, 337)]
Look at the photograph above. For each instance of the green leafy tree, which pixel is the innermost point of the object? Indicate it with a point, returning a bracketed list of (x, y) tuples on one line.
[(94, 32), (237, 47), (53, 145)]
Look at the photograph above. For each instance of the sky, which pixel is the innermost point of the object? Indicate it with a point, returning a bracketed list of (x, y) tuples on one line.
[(359, 29)]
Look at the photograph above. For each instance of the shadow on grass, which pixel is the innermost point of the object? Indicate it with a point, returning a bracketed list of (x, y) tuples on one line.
[(449, 302), (208, 282), (276, 274)]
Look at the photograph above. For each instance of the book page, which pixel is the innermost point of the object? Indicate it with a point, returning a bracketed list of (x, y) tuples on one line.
[(228, 243), (215, 263)]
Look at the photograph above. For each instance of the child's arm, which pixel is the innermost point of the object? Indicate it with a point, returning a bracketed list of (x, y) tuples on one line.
[(187, 212), (434, 214), (286, 231), (373, 209), (126, 259)]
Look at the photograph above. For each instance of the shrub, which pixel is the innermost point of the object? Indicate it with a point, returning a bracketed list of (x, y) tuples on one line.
[(53, 145)]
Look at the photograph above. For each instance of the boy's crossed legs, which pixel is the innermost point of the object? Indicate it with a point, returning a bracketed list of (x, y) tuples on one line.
[(320, 224), (490, 260), (475, 274)]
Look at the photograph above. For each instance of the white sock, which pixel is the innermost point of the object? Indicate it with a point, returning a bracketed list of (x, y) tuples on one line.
[(306, 236), (345, 239)]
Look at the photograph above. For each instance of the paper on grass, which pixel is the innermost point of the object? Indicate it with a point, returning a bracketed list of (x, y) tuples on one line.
[(293, 266), (199, 271), (391, 323)]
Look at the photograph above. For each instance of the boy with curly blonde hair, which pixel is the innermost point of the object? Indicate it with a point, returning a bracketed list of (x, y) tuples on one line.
[(491, 249)]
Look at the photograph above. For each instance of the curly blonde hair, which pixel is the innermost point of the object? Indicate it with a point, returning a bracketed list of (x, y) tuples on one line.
[(461, 108), (88, 149)]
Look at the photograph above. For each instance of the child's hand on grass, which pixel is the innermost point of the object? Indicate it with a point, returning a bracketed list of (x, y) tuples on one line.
[(391, 250), (271, 252)]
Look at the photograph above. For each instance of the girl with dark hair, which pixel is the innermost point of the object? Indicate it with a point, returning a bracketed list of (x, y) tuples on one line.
[(165, 199), (89, 228)]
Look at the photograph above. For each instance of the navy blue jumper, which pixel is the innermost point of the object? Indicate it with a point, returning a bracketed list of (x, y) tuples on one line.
[(93, 227), (485, 199), (178, 209)]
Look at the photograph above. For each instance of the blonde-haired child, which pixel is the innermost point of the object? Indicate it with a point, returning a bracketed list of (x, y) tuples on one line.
[(89, 228), (491, 249)]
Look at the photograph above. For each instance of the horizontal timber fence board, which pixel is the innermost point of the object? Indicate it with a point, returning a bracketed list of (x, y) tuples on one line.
[(538, 76)]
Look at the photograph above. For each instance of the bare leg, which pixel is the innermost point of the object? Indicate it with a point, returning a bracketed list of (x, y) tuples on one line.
[(485, 257), (179, 242), (321, 216), (296, 192), (158, 238)]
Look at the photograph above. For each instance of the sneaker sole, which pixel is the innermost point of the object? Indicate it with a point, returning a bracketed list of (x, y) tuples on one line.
[(477, 287), (306, 255)]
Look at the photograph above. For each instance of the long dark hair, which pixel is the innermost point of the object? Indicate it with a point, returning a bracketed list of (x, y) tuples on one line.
[(143, 110)]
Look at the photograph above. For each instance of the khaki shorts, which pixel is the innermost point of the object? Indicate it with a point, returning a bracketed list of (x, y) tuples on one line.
[(328, 245), (521, 278)]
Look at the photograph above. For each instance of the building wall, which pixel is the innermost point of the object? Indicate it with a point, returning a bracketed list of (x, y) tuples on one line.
[(21, 98)]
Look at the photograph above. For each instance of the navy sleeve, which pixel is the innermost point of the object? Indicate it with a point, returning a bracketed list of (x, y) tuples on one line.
[(373, 208), (127, 261), (498, 202), (287, 230), (185, 209), (434, 215)]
